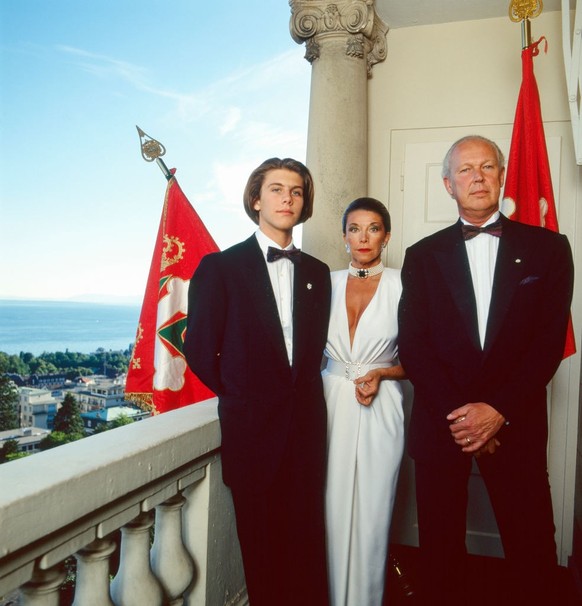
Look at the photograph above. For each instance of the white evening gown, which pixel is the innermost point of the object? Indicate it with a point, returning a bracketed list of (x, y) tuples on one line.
[(365, 444)]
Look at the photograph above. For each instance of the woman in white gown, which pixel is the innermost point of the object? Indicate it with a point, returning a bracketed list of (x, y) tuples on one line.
[(365, 417)]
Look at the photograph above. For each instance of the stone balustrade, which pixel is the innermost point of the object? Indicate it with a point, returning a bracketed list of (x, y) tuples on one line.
[(101, 500)]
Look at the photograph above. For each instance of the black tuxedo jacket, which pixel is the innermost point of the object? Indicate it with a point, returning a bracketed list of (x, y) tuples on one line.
[(234, 344), (439, 341)]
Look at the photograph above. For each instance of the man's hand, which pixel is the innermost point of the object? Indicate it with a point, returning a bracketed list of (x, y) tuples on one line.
[(473, 427), (489, 448)]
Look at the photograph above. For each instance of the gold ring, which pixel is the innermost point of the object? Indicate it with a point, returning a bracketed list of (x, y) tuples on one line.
[(468, 440)]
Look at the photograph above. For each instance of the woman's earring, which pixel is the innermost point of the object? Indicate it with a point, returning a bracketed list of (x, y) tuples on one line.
[(348, 248)]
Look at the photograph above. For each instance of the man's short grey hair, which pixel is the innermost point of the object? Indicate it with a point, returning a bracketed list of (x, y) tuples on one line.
[(446, 170)]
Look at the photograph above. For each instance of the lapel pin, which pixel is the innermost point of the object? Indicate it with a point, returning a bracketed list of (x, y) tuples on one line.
[(309, 286)]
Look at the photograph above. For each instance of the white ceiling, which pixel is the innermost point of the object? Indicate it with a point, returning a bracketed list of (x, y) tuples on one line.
[(407, 13)]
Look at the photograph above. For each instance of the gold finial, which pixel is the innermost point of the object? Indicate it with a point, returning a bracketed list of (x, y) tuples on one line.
[(153, 150), (525, 9), (150, 148)]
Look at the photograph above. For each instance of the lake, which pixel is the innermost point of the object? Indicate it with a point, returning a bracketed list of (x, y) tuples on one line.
[(39, 326)]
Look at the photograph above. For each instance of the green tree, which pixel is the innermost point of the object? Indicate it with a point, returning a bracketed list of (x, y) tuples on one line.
[(8, 404), (26, 357), (121, 420), (17, 455), (10, 447), (68, 418), (39, 366), (75, 363), (58, 438), (12, 363)]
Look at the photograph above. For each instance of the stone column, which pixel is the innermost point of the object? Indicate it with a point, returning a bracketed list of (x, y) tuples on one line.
[(343, 39)]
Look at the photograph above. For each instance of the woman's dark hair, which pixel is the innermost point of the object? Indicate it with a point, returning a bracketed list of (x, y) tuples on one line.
[(370, 204), (253, 188)]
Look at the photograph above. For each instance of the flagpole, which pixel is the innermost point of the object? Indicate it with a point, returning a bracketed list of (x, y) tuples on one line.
[(525, 33), (522, 11), (153, 150)]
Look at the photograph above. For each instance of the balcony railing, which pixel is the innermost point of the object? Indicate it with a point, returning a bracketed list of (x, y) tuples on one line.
[(98, 500)]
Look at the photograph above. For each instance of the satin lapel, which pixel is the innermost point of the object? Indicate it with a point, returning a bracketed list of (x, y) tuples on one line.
[(509, 269), (304, 294), (261, 296), (299, 303), (454, 265)]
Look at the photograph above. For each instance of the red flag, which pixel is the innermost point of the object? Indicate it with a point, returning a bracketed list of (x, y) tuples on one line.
[(528, 195), (158, 378)]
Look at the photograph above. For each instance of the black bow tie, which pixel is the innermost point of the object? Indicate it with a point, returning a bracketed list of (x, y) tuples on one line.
[(470, 231), (294, 254)]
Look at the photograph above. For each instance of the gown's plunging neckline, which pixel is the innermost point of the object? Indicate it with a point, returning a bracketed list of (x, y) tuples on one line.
[(351, 340)]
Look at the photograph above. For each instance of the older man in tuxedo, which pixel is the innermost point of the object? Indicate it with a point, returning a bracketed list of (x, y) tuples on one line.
[(483, 318), (257, 326)]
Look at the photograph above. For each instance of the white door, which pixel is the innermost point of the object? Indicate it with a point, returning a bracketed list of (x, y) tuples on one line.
[(419, 205)]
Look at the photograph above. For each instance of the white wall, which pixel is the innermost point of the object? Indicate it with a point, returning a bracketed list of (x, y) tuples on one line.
[(456, 74)]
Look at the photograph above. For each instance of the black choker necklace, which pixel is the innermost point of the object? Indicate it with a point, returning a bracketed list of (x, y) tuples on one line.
[(365, 273)]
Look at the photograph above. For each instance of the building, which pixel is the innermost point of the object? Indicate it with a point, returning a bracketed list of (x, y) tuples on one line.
[(95, 418), (37, 407), (99, 392), (28, 438), (17, 379), (52, 381)]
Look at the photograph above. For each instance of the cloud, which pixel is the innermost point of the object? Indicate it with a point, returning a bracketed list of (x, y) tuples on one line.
[(136, 76), (102, 65), (229, 180), (264, 107), (232, 118), (236, 104)]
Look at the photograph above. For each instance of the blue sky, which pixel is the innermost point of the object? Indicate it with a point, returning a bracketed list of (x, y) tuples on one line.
[(221, 84)]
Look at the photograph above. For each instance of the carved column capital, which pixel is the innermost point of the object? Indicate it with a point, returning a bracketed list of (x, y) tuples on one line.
[(365, 33)]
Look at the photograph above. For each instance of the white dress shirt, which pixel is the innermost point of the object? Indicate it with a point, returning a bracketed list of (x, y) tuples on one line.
[(281, 274), (482, 253)]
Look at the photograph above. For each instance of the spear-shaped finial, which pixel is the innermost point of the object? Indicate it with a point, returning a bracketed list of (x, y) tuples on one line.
[(153, 150), (524, 10)]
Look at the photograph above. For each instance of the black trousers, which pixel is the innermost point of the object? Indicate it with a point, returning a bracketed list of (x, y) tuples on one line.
[(282, 537), (518, 487)]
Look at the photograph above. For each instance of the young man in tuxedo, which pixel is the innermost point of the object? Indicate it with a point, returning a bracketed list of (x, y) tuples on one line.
[(483, 319), (257, 325)]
